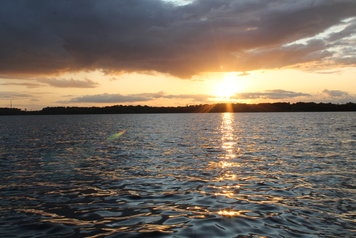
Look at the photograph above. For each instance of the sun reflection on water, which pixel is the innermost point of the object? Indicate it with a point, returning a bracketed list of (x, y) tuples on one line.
[(229, 213), (228, 188), (228, 140)]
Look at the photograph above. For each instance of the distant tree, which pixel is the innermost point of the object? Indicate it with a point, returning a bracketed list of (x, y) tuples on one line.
[(201, 108)]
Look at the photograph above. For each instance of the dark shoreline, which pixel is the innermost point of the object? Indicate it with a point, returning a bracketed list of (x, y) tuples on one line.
[(202, 108)]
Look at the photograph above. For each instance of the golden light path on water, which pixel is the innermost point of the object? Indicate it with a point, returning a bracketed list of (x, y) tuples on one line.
[(229, 145), (227, 139), (231, 169)]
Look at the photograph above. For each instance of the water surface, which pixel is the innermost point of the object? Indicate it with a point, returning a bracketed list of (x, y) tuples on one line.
[(178, 175)]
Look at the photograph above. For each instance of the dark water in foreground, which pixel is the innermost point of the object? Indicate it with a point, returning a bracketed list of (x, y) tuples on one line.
[(178, 175)]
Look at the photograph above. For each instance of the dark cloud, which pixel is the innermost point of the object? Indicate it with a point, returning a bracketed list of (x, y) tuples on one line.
[(277, 57), (345, 42), (142, 97), (271, 94), (345, 33), (51, 36), (335, 93), (69, 83)]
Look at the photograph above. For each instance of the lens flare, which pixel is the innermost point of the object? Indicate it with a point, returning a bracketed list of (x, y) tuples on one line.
[(116, 135)]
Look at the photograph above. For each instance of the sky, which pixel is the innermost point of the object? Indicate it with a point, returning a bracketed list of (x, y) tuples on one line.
[(176, 52)]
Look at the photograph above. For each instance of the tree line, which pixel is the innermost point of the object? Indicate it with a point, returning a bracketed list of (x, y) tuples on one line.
[(201, 108)]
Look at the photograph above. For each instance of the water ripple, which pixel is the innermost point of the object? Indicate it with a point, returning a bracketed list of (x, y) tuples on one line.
[(178, 175)]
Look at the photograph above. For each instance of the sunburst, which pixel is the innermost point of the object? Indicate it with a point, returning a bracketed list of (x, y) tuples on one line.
[(228, 87)]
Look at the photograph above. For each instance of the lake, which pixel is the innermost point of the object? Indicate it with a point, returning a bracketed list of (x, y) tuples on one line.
[(178, 175)]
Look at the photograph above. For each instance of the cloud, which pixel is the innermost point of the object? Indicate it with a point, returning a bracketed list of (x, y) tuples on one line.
[(13, 95), (59, 83), (49, 36), (328, 72), (69, 83), (271, 94), (28, 85), (344, 41), (109, 98), (335, 93), (142, 97), (337, 96), (348, 31), (194, 97), (276, 57), (244, 74)]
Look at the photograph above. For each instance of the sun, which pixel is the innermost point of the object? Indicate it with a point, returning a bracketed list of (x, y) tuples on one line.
[(227, 87)]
